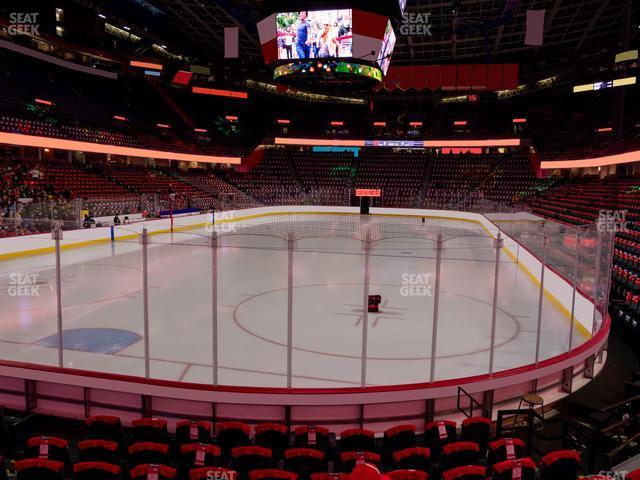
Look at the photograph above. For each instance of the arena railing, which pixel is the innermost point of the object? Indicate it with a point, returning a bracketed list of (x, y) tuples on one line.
[(228, 308)]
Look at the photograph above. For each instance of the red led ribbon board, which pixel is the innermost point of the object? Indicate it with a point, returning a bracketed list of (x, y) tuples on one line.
[(368, 192)]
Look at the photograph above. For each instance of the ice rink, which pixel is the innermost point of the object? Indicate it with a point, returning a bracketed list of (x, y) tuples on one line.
[(102, 300)]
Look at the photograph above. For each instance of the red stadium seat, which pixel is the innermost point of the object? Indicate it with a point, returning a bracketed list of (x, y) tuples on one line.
[(459, 454), (96, 471), (208, 473), (473, 472), (104, 427), (416, 458), (407, 475), (151, 472), (348, 460), (151, 453), (478, 430), (561, 464), (193, 432), (304, 461), (39, 469), (247, 459), (149, 430), (195, 455), (50, 448), (399, 437), (312, 436), (272, 474), (521, 469), (438, 434), (273, 436), (99, 451), (232, 434), (357, 440), (504, 449)]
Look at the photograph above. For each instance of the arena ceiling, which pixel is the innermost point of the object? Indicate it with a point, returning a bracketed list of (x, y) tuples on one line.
[(462, 30)]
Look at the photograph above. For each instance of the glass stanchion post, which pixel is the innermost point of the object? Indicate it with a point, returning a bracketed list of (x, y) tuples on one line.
[(541, 296), (436, 307), (576, 271), (214, 306), (365, 309), (494, 315), (290, 245), (145, 299), (57, 237)]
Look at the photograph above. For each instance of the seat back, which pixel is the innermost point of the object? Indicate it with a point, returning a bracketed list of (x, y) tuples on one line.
[(415, 458), (330, 476), (232, 434), (478, 430), (304, 461), (407, 475), (349, 460), (561, 464), (51, 448), (195, 455), (437, 435), (312, 436), (272, 474), (399, 437), (246, 459), (104, 451), (357, 440), (504, 449), (96, 471), (470, 472), (193, 432), (39, 469), (104, 427), (459, 454), (152, 472), (217, 473), (520, 469), (273, 436), (151, 453), (149, 430)]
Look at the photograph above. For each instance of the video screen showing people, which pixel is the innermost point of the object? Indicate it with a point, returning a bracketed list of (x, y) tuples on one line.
[(388, 44), (314, 34)]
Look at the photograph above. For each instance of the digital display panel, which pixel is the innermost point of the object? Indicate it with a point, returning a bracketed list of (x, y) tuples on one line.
[(314, 34), (386, 50), (603, 85)]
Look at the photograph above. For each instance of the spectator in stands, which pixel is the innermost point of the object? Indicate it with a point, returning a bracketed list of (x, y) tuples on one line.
[(88, 221), (116, 220)]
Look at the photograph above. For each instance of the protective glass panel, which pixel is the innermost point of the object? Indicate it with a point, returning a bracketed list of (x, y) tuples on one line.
[(29, 315)]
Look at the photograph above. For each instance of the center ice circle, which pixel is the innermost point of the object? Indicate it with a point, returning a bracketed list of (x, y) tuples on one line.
[(327, 320)]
